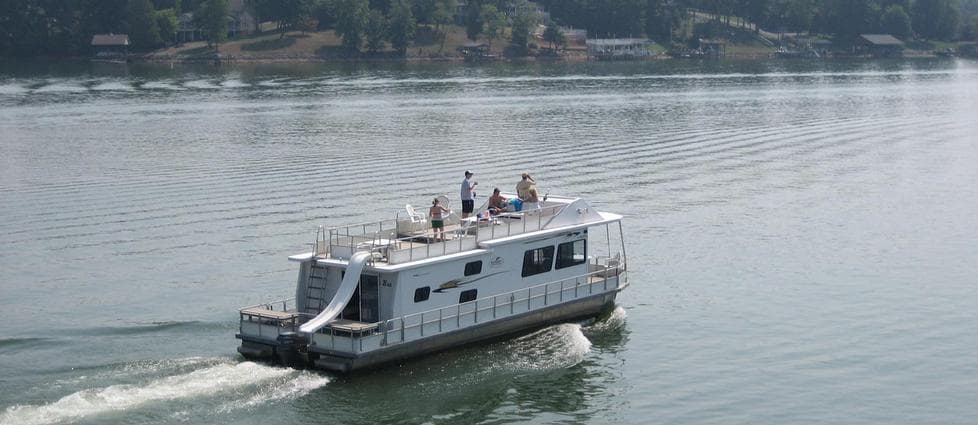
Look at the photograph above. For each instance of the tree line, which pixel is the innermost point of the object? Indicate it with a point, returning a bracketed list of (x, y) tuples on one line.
[(663, 19), (65, 27)]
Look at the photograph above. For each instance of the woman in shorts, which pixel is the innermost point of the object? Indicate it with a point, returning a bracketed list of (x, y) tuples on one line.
[(437, 222)]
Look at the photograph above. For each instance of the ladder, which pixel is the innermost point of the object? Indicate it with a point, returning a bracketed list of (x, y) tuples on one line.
[(316, 290)]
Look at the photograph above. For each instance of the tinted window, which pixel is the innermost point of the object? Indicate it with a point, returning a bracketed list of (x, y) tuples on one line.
[(571, 253), (536, 261), (467, 296), (422, 294), (472, 268)]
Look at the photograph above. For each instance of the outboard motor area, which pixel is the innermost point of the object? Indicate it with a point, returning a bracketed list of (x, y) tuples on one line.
[(291, 349)]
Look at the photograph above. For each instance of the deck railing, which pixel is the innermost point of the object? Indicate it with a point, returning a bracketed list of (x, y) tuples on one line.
[(382, 237), (269, 320), (606, 276)]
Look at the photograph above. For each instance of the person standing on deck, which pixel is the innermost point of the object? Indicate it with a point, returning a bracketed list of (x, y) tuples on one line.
[(437, 221), (526, 190), (467, 194)]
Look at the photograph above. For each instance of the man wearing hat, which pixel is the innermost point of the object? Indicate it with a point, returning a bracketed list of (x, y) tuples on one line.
[(468, 194)]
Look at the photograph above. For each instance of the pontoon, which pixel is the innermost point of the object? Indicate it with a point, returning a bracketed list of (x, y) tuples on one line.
[(385, 291)]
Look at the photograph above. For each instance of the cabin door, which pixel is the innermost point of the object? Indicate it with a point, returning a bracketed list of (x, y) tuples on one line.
[(364, 306), (369, 299)]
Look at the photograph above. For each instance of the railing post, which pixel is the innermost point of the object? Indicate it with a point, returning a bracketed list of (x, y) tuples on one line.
[(493, 306), (422, 323), (439, 319), (458, 316), (402, 329)]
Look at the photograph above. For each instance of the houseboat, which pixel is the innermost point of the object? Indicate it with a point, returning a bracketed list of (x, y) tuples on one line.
[(381, 292)]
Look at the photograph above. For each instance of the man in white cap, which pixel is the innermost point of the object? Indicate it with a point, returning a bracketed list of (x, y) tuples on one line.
[(468, 194)]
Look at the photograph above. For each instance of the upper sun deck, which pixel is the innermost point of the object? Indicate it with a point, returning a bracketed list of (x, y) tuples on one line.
[(408, 237)]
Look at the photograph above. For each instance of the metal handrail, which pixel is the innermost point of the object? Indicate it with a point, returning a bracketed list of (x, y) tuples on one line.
[(271, 305), (461, 234), (512, 294)]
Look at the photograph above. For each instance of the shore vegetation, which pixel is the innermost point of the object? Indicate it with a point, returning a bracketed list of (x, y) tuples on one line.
[(433, 29)]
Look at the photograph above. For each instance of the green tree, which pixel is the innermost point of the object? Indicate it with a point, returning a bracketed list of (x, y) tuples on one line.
[(424, 10), (402, 26), (144, 33), (166, 21), (291, 13), (554, 36), (473, 20), (969, 31), (935, 19), (375, 30), (896, 21), (325, 13), (351, 20), (444, 12), (212, 19), (662, 17), (519, 37), (495, 22)]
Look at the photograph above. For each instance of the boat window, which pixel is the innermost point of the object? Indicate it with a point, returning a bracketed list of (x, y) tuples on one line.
[(422, 294), (536, 261), (571, 253), (469, 295), (472, 268)]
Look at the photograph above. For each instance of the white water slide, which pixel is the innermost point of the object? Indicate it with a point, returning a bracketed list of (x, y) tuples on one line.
[(347, 287)]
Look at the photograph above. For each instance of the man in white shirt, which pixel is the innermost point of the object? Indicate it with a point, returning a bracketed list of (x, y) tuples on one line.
[(467, 194)]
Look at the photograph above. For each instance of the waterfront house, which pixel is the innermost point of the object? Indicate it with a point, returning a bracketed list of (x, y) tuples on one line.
[(110, 46), (713, 48), (881, 45), (239, 22), (618, 48)]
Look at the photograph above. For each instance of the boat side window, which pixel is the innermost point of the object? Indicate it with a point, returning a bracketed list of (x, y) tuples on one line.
[(469, 295), (422, 294), (474, 267), (571, 253), (536, 261)]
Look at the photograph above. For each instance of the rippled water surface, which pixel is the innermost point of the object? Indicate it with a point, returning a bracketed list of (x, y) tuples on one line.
[(802, 237)]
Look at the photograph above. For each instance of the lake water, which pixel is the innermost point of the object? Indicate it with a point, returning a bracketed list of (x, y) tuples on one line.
[(802, 237)]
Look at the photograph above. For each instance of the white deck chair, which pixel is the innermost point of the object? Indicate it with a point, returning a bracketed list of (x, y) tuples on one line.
[(414, 215)]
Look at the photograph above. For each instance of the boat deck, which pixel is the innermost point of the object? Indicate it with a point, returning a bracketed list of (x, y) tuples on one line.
[(409, 236)]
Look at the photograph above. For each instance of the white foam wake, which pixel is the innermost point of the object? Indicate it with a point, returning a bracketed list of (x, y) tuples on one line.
[(203, 382), (557, 346), (615, 320)]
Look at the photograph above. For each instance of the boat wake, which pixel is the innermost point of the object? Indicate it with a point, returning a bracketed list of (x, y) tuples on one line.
[(614, 321), (249, 383), (554, 347)]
